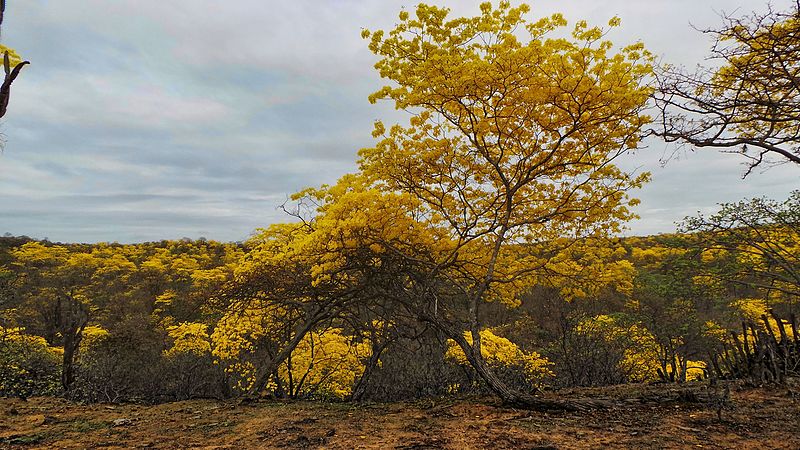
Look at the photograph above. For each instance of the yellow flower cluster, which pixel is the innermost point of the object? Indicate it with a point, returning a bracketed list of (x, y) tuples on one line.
[(189, 338), (326, 363), (236, 333), (13, 56), (91, 336), (640, 359), (500, 352), (18, 335)]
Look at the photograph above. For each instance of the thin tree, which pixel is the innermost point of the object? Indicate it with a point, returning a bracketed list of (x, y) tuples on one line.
[(750, 104)]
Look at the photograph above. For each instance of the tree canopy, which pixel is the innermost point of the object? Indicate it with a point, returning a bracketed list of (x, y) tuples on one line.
[(750, 103), (476, 248)]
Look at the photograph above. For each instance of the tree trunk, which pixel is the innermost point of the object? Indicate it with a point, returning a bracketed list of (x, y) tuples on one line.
[(280, 392), (73, 320), (67, 373), (684, 369), (263, 375), (507, 395), (360, 389), (674, 366)]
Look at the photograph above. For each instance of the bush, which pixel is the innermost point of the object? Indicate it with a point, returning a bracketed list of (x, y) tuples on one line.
[(603, 350), (412, 368), (28, 366), (130, 364), (125, 365), (190, 369)]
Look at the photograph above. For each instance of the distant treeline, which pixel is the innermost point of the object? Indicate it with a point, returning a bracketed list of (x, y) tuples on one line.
[(181, 319)]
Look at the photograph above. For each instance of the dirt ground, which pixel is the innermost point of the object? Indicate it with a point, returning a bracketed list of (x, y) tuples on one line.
[(641, 417)]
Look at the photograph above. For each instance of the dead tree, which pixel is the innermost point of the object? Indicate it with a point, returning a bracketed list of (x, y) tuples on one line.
[(761, 355)]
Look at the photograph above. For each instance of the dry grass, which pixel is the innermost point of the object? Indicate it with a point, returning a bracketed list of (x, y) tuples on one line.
[(756, 418)]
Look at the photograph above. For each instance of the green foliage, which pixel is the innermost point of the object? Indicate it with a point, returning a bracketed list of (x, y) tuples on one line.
[(753, 246)]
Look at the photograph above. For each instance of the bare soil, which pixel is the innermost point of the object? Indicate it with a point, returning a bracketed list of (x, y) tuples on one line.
[(640, 417)]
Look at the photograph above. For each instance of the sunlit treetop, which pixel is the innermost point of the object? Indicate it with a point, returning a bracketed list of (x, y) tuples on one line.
[(506, 132)]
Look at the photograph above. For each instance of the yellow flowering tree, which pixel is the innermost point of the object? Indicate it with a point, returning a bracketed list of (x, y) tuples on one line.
[(506, 164), (59, 286), (291, 282), (511, 144)]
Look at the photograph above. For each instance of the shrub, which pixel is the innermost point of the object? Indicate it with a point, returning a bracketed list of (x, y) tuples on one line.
[(28, 366), (519, 369)]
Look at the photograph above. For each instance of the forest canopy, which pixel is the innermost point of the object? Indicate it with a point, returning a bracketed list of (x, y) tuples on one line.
[(475, 249)]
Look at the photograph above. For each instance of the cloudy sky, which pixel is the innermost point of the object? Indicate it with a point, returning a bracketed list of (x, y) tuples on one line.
[(148, 119)]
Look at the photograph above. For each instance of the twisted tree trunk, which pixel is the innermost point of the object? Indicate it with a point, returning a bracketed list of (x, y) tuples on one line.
[(512, 397)]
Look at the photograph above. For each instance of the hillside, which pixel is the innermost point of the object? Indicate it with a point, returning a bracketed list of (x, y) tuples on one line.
[(755, 418)]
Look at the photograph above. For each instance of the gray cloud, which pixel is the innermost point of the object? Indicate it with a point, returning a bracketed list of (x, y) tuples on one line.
[(143, 120)]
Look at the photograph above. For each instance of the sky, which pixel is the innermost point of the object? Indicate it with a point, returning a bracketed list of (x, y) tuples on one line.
[(143, 120)]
